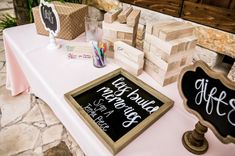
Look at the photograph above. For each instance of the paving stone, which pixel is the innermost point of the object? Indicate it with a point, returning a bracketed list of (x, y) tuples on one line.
[(38, 151), (33, 115), (2, 55), (2, 78), (50, 145), (10, 106), (48, 115), (40, 124), (2, 49), (11, 12), (58, 150), (52, 133), (3, 67), (5, 6), (18, 138), (25, 153)]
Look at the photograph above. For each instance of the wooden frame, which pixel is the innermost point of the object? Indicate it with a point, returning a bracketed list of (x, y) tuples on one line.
[(115, 147), (216, 75)]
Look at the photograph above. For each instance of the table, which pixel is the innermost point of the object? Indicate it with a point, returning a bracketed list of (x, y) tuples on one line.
[(50, 75)]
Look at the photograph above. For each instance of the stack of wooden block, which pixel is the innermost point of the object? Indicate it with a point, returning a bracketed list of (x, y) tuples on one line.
[(168, 47), (120, 25), (210, 57), (140, 36), (128, 57)]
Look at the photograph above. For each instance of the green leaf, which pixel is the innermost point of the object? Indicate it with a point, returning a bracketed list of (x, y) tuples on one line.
[(7, 21)]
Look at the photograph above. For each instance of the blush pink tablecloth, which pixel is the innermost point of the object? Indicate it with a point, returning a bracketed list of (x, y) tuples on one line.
[(50, 75), (16, 81)]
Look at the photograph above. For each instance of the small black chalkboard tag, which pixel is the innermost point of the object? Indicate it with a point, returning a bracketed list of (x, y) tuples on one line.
[(118, 107), (49, 17), (211, 97)]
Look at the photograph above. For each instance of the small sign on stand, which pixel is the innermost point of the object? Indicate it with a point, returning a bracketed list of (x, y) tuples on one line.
[(211, 97), (51, 22)]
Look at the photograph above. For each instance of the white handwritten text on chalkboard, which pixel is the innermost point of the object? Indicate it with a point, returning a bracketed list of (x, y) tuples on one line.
[(92, 110), (212, 102), (48, 15), (114, 96)]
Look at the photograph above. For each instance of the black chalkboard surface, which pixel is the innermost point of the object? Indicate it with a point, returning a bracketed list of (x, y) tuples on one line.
[(49, 17), (211, 97), (118, 107)]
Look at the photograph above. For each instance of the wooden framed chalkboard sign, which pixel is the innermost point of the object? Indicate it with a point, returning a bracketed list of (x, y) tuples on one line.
[(211, 97), (118, 107)]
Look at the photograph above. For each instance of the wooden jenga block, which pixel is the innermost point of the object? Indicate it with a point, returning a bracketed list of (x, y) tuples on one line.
[(157, 26), (128, 36), (129, 42), (210, 57), (162, 73), (150, 25), (169, 58), (157, 74), (183, 44), (149, 28), (170, 80), (168, 47), (111, 16), (128, 65), (158, 52), (231, 74), (120, 35), (191, 44), (148, 38), (183, 61), (134, 35), (122, 17), (175, 31), (146, 46), (140, 31), (139, 44), (109, 35), (116, 26), (180, 55), (129, 52), (133, 18), (154, 57)]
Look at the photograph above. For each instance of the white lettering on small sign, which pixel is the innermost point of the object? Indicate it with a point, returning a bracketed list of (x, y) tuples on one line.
[(213, 102), (49, 17)]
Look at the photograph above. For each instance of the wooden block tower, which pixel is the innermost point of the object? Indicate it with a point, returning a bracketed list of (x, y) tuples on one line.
[(140, 37), (120, 25), (168, 47), (128, 57)]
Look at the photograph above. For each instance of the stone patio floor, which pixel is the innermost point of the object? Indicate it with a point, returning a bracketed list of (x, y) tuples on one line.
[(28, 127)]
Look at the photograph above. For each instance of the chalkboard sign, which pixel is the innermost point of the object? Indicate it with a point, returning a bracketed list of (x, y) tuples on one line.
[(49, 17), (211, 97), (118, 107)]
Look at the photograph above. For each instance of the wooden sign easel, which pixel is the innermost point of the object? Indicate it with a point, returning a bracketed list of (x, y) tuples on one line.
[(51, 22), (210, 96)]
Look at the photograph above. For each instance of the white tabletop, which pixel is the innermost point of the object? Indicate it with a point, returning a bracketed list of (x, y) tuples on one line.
[(51, 74)]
